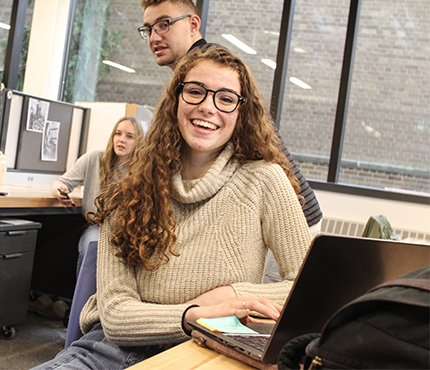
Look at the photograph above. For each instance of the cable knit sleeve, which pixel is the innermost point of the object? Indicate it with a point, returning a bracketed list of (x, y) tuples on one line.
[(86, 169), (126, 320), (74, 176), (285, 232)]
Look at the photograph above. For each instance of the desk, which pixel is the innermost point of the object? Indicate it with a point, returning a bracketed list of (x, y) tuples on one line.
[(54, 269), (190, 356), (33, 196)]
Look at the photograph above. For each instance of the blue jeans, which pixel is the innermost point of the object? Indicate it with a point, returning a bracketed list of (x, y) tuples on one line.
[(89, 235), (93, 351)]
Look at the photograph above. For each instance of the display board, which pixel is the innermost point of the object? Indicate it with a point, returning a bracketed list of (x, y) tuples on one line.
[(44, 135)]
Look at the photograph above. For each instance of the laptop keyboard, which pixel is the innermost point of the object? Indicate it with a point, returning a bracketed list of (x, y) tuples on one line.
[(253, 341)]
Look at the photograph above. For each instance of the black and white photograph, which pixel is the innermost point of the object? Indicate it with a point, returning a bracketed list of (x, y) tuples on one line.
[(37, 115), (50, 141)]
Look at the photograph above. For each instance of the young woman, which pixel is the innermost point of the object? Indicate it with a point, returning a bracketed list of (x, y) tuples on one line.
[(96, 169), (186, 233)]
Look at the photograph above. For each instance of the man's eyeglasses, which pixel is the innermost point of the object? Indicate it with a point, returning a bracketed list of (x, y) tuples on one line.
[(160, 27), (225, 100)]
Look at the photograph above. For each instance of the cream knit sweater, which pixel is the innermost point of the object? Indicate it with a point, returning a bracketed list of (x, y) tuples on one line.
[(227, 220), (86, 169)]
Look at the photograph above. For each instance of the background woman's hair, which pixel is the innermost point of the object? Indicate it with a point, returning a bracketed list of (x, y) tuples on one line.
[(139, 207), (109, 159)]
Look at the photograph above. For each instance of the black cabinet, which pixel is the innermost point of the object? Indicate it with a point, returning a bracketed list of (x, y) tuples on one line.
[(17, 246)]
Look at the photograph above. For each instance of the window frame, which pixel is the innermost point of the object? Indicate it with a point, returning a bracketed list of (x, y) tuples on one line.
[(331, 184)]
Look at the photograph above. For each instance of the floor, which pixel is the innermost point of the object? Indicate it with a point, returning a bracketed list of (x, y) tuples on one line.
[(36, 340)]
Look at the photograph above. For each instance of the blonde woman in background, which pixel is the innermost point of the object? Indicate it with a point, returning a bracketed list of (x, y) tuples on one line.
[(96, 169)]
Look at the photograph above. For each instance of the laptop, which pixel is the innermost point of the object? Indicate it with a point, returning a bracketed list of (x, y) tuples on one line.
[(335, 271)]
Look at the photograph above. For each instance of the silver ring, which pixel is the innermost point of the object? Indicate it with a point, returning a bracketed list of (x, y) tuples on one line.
[(243, 305)]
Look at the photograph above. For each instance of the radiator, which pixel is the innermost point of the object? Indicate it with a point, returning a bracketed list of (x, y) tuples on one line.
[(352, 228)]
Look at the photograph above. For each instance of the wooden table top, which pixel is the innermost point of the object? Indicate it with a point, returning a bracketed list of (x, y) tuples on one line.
[(33, 196), (190, 356)]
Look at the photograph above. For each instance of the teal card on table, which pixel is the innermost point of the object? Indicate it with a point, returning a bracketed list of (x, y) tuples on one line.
[(230, 325)]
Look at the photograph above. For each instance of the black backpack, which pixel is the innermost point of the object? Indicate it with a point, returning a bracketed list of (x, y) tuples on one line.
[(386, 328)]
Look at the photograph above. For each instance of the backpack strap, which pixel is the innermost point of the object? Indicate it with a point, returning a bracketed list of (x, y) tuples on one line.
[(423, 284)]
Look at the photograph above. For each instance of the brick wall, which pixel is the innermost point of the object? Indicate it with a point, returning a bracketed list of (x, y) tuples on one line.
[(367, 177)]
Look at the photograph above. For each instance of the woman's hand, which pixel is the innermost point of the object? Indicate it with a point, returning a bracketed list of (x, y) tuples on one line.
[(238, 306), (63, 198), (215, 296)]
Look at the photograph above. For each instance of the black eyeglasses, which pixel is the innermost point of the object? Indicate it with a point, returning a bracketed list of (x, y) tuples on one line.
[(160, 27), (225, 100)]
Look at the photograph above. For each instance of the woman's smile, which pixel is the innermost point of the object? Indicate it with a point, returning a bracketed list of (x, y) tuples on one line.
[(204, 124)]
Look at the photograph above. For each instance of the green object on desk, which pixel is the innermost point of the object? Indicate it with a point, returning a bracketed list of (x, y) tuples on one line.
[(229, 325)]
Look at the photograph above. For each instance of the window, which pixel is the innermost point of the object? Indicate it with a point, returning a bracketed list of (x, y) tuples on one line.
[(5, 14), (250, 29), (104, 32), (312, 84), (387, 131), (5, 24), (387, 138)]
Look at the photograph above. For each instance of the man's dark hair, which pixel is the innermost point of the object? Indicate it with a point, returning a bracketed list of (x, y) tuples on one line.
[(186, 4)]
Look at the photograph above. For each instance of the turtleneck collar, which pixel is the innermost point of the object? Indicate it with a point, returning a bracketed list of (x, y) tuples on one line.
[(192, 191)]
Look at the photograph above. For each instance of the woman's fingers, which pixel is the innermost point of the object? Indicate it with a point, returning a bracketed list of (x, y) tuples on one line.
[(241, 307), (262, 306), (63, 197)]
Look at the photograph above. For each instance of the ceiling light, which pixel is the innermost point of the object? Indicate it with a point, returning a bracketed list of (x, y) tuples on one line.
[(298, 49), (119, 66), (5, 26), (271, 33), (269, 62), (371, 130), (239, 44), (300, 83)]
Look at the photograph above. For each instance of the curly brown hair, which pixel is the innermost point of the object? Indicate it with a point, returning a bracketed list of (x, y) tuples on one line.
[(143, 231)]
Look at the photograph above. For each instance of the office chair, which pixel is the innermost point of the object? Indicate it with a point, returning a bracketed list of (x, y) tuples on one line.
[(84, 289)]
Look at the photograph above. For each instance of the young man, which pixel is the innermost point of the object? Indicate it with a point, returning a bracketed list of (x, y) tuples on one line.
[(172, 28)]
